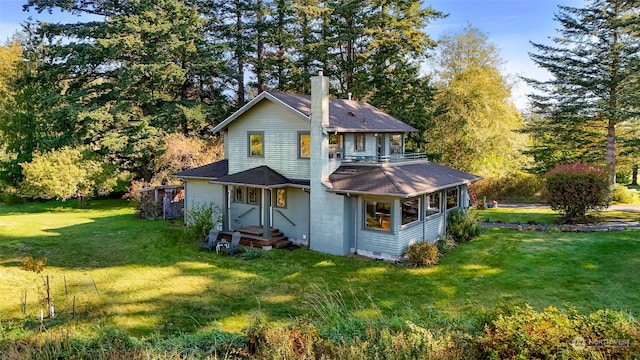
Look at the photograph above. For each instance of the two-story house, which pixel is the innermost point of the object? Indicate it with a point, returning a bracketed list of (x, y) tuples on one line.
[(330, 173)]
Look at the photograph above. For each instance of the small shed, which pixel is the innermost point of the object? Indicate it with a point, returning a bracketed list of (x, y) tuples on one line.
[(161, 202)]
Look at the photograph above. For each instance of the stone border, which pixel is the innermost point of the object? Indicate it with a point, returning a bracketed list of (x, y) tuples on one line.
[(606, 226)]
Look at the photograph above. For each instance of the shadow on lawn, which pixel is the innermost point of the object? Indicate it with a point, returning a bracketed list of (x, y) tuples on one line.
[(140, 276)]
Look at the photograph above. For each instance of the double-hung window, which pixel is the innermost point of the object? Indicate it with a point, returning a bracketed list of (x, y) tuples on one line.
[(432, 205), (358, 142), (304, 145), (255, 142)]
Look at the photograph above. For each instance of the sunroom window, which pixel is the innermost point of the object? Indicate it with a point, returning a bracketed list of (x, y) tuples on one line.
[(377, 215), (452, 198), (410, 210), (433, 204)]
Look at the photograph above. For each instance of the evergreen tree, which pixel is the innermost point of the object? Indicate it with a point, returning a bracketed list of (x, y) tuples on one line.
[(143, 69), (594, 63)]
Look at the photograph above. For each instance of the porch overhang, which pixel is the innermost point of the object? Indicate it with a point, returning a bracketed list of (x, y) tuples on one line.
[(262, 177)]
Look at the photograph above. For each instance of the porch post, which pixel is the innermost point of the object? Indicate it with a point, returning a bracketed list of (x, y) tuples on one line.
[(266, 228), (225, 208)]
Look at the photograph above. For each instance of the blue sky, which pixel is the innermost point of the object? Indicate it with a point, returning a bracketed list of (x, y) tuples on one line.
[(509, 24)]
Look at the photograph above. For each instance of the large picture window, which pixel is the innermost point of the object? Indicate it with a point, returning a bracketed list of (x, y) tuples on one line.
[(452, 198), (410, 210), (304, 145), (433, 204), (256, 144), (377, 215)]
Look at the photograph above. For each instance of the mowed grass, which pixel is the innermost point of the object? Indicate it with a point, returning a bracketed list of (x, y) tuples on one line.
[(140, 276), (547, 216)]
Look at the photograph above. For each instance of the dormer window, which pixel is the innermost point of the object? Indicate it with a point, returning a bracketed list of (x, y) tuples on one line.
[(256, 143)]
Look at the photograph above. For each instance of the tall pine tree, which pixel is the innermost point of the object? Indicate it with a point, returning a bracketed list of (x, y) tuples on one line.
[(594, 62)]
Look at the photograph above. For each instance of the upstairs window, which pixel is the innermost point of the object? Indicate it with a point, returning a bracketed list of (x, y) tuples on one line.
[(304, 145), (358, 142), (335, 147), (256, 144), (452, 198), (433, 205), (395, 144)]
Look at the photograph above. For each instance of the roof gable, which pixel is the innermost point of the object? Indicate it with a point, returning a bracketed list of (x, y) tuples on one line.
[(344, 115)]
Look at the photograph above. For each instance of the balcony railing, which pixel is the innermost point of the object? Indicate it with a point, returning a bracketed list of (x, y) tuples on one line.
[(372, 159)]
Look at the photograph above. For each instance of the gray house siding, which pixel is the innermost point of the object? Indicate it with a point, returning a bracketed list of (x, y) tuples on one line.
[(280, 141), (244, 215), (201, 192), (410, 234), (378, 241), (297, 211)]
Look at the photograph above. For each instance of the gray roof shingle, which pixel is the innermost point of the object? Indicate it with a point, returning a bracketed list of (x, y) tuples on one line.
[(208, 171), (399, 179), (347, 115), (344, 115), (261, 176)]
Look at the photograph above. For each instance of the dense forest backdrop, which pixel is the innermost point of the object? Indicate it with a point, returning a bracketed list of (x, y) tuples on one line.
[(132, 90)]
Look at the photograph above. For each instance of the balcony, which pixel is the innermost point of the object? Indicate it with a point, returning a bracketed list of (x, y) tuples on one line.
[(394, 158)]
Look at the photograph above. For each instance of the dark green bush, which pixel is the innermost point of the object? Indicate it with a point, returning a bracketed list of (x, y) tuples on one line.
[(12, 198), (574, 189), (462, 226), (422, 254), (529, 334)]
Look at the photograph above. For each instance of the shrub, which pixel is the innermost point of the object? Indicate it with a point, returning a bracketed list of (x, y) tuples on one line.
[(249, 253), (621, 194), (422, 254), (11, 197), (529, 334), (462, 226), (35, 265), (574, 189), (200, 220), (514, 185)]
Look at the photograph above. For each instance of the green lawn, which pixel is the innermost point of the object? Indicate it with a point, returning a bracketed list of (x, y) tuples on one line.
[(147, 279)]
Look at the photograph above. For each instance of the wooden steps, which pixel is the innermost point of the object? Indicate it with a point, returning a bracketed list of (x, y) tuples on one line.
[(252, 236)]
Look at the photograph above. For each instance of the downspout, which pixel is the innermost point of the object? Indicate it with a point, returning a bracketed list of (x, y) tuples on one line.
[(228, 207)]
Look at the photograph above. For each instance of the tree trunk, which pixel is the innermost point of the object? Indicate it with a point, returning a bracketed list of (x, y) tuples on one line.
[(611, 151)]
